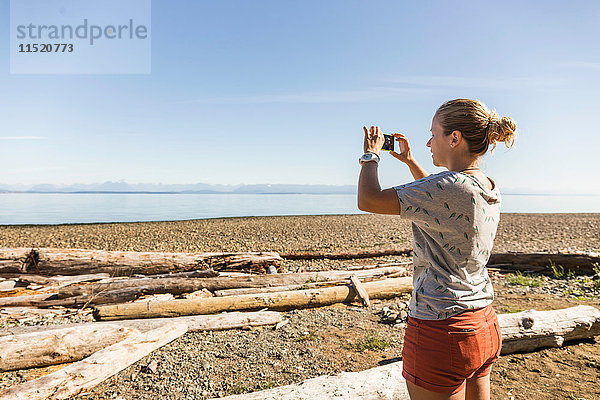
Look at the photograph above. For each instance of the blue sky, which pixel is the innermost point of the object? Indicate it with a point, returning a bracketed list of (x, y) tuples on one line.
[(278, 91)]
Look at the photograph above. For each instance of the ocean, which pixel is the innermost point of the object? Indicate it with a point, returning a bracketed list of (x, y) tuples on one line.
[(51, 208)]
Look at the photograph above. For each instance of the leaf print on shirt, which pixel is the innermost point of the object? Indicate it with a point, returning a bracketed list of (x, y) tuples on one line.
[(451, 248), (439, 287), (418, 209), (408, 208), (452, 215), (440, 187), (467, 218), (473, 200), (425, 212), (466, 236), (401, 201), (441, 235), (418, 245), (446, 205), (429, 307), (459, 217), (427, 225), (429, 195), (446, 245), (438, 221)]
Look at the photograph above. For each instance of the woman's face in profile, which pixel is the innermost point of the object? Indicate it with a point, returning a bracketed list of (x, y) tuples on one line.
[(438, 143)]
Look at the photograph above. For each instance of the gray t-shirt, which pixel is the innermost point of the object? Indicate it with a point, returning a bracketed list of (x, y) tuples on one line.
[(454, 222)]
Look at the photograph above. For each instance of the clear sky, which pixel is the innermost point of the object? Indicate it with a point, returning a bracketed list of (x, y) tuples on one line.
[(278, 91)]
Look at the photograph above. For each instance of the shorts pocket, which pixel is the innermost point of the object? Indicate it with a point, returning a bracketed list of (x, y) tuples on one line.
[(499, 334), (468, 350)]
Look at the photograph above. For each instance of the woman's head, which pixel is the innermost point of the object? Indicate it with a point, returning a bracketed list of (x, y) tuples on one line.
[(470, 127)]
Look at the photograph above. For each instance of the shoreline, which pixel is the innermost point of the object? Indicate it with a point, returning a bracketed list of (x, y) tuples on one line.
[(577, 213), (526, 232)]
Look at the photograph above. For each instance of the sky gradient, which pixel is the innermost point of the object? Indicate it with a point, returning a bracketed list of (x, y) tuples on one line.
[(256, 92)]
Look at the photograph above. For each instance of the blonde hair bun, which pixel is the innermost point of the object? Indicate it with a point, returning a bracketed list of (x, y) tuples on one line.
[(501, 130)]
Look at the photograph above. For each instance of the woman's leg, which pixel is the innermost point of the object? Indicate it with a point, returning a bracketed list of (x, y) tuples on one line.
[(478, 388), (418, 393)]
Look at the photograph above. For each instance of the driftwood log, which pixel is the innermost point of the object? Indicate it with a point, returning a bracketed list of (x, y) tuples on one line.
[(379, 383), (530, 330), (58, 346), (195, 323), (49, 261), (541, 262), (345, 255), (27, 300), (129, 289), (310, 285), (87, 373), (279, 301), (577, 262)]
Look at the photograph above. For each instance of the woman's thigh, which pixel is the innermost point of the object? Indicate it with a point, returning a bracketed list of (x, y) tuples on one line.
[(419, 393), (475, 389)]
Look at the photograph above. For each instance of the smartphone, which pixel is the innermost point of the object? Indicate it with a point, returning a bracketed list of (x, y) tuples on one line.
[(389, 142)]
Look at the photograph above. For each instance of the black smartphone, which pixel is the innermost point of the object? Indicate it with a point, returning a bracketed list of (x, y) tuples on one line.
[(389, 142)]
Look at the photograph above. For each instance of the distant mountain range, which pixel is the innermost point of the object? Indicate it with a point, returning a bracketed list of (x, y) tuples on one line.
[(123, 187)]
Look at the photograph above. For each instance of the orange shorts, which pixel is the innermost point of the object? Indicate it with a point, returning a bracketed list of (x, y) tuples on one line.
[(440, 355)]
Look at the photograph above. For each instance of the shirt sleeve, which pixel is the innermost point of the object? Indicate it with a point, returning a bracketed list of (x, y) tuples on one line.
[(423, 200)]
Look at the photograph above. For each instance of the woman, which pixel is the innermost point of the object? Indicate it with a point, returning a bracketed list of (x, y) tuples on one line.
[(452, 336)]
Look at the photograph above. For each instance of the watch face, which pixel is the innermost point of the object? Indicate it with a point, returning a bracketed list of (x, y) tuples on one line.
[(368, 156)]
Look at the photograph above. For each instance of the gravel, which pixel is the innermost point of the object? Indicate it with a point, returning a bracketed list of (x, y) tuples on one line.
[(314, 342)]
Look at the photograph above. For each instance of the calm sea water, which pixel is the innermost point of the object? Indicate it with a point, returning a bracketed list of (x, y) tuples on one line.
[(41, 208)]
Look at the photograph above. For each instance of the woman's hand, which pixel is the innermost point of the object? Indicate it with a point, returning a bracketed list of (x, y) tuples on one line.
[(373, 140), (405, 155)]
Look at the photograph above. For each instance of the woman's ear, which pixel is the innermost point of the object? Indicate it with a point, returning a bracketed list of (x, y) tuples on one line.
[(456, 138)]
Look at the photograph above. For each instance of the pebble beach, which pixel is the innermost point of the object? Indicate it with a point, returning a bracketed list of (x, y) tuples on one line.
[(326, 340)]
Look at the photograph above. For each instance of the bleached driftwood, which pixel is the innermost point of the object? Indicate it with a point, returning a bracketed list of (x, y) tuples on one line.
[(129, 289), (279, 301), (85, 374), (272, 289), (363, 275), (541, 262), (345, 255), (58, 346), (195, 323), (26, 300), (50, 261), (60, 280), (360, 290), (530, 330), (379, 383)]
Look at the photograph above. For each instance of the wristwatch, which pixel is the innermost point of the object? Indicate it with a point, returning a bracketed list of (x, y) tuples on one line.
[(368, 157)]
